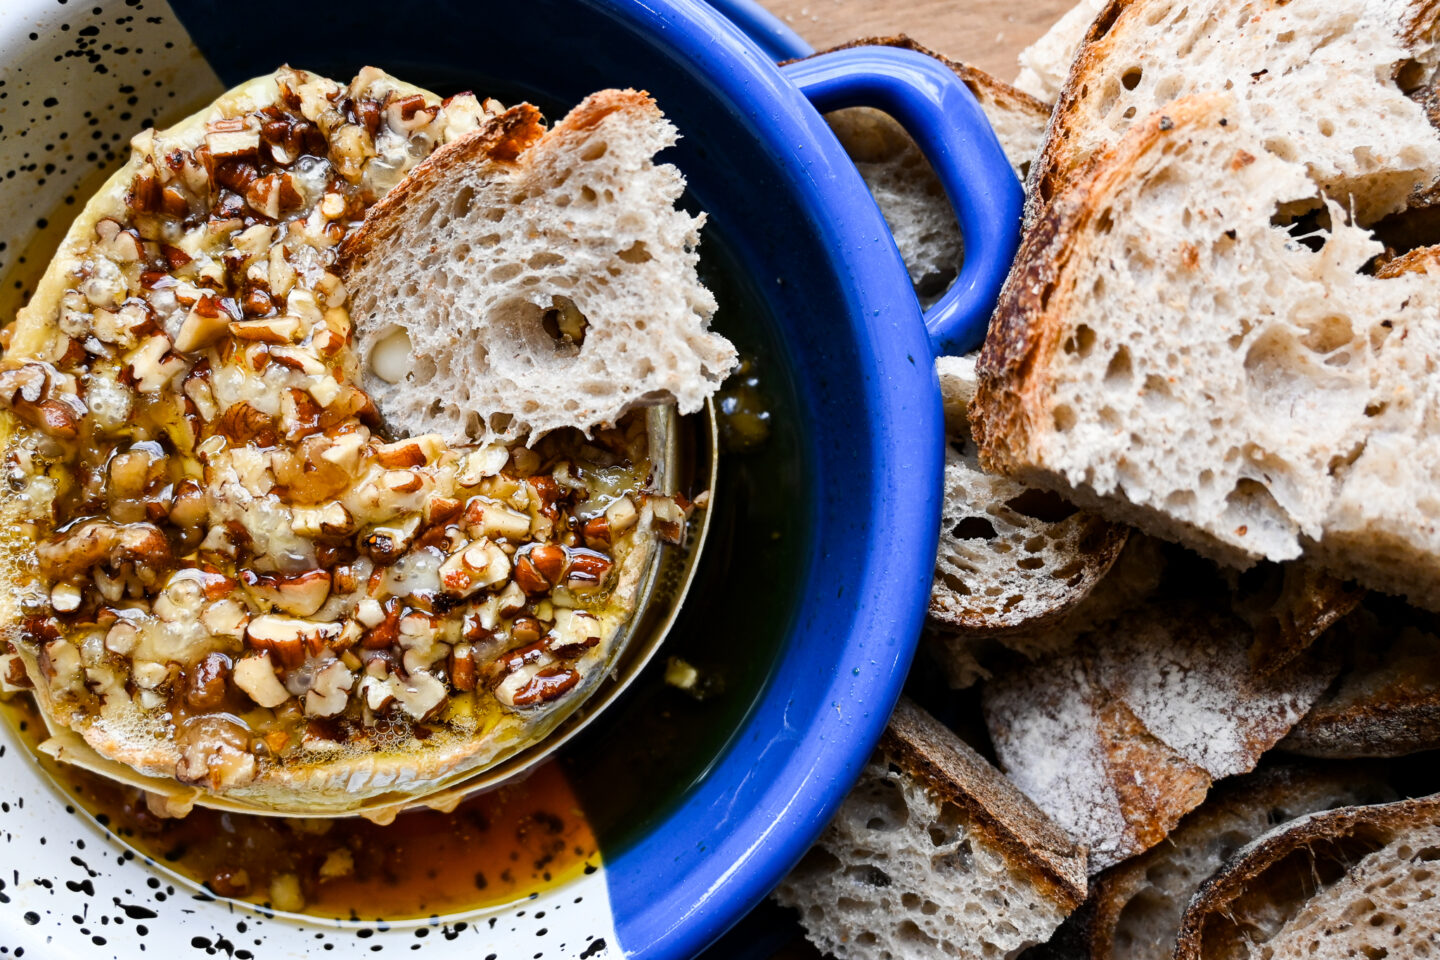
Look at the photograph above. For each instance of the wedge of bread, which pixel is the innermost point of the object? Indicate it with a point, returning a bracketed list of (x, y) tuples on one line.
[(1121, 737), (934, 854), (1135, 908), (551, 255), (1361, 139), (1013, 561), (1353, 881), (1166, 282)]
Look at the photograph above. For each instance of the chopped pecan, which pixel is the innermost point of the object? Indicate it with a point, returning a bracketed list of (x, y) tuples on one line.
[(546, 686)]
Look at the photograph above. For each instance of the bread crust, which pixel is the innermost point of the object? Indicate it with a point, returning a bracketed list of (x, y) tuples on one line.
[(926, 750), (1295, 789), (1213, 919), (1011, 409)]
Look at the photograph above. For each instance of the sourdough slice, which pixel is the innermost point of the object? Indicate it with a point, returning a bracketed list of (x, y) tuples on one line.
[(1010, 557), (1166, 354), (1045, 64), (1386, 702), (1017, 568), (1352, 881), (1121, 737), (555, 275), (1323, 84), (905, 187), (988, 522), (1136, 907), (1085, 759), (934, 854)]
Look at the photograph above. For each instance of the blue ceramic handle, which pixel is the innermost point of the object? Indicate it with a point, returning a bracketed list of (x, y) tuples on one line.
[(941, 114)]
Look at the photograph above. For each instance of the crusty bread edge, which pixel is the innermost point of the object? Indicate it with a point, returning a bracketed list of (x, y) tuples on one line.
[(1218, 892), (1033, 844), (1012, 410)]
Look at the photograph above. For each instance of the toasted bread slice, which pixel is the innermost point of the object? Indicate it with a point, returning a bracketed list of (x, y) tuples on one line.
[(1120, 738), (934, 854), (1085, 759), (1129, 310), (1011, 558), (557, 258), (1353, 881), (1135, 907)]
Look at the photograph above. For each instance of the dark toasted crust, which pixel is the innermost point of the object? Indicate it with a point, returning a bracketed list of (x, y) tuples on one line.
[(981, 84), (1011, 409), (1279, 872), (1387, 704), (931, 754)]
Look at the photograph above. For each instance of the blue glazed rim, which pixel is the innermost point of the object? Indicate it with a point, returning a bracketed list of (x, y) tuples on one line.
[(765, 30), (702, 867)]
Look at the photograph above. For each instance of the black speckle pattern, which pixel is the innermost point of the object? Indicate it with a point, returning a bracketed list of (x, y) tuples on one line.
[(79, 79), (78, 82)]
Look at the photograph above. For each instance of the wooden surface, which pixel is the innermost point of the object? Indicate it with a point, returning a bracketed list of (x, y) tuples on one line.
[(984, 33)]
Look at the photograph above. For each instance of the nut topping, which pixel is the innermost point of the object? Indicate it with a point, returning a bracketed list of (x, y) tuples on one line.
[(220, 529)]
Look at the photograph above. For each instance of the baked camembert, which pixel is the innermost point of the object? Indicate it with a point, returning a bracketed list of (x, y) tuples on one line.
[(221, 570)]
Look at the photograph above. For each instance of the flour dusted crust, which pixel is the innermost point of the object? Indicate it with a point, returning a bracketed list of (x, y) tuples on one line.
[(221, 572)]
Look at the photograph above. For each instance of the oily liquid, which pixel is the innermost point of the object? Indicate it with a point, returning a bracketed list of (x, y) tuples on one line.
[(602, 791), (493, 849)]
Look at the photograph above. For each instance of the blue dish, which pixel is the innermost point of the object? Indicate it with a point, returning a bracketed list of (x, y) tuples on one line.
[(844, 330)]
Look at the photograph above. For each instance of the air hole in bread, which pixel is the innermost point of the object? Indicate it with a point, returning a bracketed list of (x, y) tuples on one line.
[(594, 151), (635, 253), (1031, 563), (974, 528), (1326, 127), (1042, 505), (1121, 368), (1081, 342), (1328, 334), (1157, 389), (495, 214), (1283, 149), (460, 203), (1063, 416), (868, 874), (1129, 113), (1410, 76), (587, 195), (1130, 79), (543, 259)]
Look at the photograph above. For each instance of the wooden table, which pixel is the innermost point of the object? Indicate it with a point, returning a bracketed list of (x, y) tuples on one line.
[(984, 33)]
